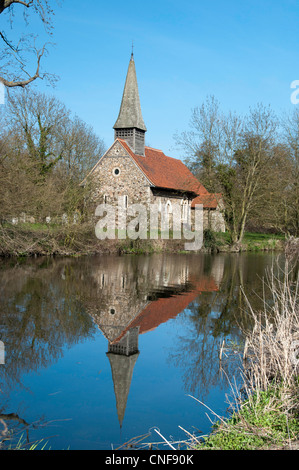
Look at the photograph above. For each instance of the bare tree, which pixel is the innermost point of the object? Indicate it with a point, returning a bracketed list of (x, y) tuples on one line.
[(233, 156), (17, 55), (80, 146), (203, 141), (290, 125), (37, 119), (44, 154), (253, 165)]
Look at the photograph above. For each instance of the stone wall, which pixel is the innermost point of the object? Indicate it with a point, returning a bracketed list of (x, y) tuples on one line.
[(120, 288), (217, 221), (118, 175), (212, 220)]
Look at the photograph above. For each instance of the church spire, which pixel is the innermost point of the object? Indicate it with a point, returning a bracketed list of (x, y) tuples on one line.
[(122, 357), (129, 124)]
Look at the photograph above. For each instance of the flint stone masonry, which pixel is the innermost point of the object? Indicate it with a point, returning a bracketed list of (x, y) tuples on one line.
[(117, 176), (130, 181), (213, 220)]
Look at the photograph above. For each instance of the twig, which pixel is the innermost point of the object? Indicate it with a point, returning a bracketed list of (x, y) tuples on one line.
[(217, 416), (189, 434), (221, 350), (167, 442)]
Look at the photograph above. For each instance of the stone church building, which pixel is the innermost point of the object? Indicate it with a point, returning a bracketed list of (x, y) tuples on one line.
[(139, 174)]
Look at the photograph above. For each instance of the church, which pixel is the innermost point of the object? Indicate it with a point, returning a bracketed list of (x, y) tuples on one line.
[(134, 173)]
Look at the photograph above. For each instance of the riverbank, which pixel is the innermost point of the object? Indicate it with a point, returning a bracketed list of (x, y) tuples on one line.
[(79, 240), (264, 399), (265, 410), (263, 422)]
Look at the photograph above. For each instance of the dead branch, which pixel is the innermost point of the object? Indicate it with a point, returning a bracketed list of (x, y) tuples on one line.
[(23, 83)]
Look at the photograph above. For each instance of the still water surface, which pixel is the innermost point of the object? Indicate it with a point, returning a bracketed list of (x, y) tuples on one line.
[(100, 350)]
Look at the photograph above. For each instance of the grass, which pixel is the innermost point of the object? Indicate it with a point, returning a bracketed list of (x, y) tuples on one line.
[(251, 242), (261, 422), (252, 236), (27, 239), (268, 416), (11, 440)]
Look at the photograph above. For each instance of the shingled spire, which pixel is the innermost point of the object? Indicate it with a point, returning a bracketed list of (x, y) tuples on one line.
[(130, 125)]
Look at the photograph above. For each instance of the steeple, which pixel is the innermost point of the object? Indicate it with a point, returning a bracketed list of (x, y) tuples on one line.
[(129, 124), (122, 357)]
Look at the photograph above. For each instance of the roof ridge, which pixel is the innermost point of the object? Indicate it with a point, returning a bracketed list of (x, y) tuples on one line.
[(167, 156), (158, 150)]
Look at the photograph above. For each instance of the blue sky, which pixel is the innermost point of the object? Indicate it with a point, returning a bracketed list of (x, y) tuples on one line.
[(243, 52)]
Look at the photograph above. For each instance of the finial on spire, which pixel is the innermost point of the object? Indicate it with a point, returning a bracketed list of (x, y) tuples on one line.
[(132, 54)]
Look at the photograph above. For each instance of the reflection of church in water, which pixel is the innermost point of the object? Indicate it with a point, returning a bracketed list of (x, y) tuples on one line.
[(134, 295)]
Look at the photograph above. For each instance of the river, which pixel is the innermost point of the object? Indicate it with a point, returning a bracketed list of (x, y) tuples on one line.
[(99, 350)]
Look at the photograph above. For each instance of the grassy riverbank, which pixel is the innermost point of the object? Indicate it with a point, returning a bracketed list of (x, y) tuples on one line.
[(266, 409), (264, 422), (72, 240), (251, 242)]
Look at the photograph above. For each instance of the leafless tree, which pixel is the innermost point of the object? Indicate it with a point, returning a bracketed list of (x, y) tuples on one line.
[(234, 156), (202, 142), (45, 153), (290, 125), (16, 56), (80, 146), (252, 165), (37, 118)]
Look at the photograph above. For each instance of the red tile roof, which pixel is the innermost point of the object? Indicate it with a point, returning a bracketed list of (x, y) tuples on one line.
[(165, 172), (161, 310), (209, 201)]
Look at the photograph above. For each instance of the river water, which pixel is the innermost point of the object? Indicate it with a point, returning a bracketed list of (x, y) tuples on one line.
[(99, 350)]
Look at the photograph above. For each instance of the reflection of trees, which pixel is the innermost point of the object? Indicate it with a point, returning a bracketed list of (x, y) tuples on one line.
[(40, 314), (217, 315), (44, 305)]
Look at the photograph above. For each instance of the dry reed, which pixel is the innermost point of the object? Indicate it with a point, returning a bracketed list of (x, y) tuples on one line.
[(272, 346)]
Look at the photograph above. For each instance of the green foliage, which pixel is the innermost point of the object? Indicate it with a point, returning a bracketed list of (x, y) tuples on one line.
[(260, 422), (226, 177), (209, 239)]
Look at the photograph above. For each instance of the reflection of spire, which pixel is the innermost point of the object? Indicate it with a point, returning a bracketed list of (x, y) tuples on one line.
[(122, 357), (131, 296)]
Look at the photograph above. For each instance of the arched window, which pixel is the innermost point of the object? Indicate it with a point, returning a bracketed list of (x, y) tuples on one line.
[(185, 205), (168, 207)]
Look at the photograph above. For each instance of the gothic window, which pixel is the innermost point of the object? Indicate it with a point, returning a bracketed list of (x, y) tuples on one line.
[(185, 210), (125, 202), (105, 198), (168, 207)]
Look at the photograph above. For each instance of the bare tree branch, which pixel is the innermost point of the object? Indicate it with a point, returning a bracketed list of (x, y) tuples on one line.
[(14, 57), (7, 3), (23, 83)]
